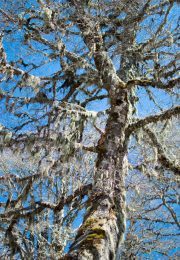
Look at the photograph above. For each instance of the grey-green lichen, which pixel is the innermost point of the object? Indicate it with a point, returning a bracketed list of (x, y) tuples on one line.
[(95, 231)]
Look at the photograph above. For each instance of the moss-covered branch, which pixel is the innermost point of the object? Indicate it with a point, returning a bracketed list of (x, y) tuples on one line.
[(167, 114), (162, 157)]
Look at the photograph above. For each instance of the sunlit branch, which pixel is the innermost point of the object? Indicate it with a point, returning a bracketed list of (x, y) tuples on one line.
[(162, 157), (151, 82), (39, 206), (155, 220), (167, 114)]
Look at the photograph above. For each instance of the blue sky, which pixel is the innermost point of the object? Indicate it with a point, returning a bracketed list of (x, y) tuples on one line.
[(15, 50)]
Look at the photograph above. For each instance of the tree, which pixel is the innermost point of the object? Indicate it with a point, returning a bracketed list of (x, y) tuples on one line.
[(75, 76)]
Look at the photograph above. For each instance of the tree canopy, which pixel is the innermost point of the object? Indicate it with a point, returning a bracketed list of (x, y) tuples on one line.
[(88, 129)]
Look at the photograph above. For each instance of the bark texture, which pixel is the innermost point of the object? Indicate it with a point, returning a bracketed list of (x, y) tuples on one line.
[(102, 231), (104, 224)]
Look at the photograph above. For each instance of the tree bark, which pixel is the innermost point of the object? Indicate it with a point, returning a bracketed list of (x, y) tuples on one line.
[(103, 227), (104, 224)]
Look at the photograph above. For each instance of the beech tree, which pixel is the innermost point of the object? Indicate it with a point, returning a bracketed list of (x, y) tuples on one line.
[(88, 134)]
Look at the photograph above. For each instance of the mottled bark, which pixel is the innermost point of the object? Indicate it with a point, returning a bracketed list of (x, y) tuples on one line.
[(102, 231), (104, 224)]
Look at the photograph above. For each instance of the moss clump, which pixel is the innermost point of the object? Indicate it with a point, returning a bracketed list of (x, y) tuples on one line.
[(90, 221), (94, 238), (98, 233), (87, 226)]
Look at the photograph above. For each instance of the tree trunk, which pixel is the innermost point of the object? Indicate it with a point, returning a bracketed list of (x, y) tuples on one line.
[(104, 224), (103, 227)]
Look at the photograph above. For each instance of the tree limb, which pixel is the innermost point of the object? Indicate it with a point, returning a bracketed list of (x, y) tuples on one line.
[(39, 206), (145, 82), (167, 114), (162, 157)]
